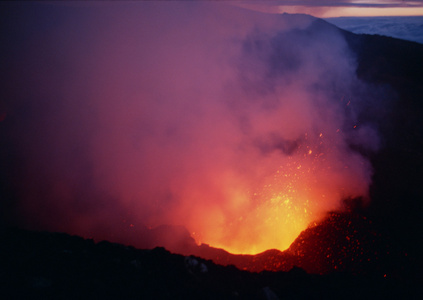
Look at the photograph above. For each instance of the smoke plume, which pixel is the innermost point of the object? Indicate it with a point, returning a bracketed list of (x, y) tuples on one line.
[(238, 125)]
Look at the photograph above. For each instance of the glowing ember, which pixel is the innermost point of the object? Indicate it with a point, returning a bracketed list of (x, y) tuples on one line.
[(273, 214)]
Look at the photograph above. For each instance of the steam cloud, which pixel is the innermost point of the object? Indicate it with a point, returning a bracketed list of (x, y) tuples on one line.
[(194, 114)]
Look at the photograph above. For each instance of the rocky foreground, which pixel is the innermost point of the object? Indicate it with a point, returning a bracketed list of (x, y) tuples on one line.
[(42, 265)]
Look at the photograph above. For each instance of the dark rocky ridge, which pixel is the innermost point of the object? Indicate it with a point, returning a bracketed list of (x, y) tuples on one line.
[(42, 265)]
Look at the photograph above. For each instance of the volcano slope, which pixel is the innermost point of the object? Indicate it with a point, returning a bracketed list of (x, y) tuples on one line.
[(364, 237), (379, 236)]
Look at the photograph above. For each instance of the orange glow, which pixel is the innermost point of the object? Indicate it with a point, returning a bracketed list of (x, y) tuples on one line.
[(226, 123), (370, 12), (272, 215)]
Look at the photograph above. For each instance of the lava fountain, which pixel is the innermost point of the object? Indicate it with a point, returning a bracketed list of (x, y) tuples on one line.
[(276, 210)]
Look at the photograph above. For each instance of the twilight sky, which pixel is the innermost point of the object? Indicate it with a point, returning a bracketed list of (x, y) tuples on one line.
[(341, 8), (232, 123)]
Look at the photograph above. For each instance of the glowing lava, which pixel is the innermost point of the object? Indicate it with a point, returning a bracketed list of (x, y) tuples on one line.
[(281, 207)]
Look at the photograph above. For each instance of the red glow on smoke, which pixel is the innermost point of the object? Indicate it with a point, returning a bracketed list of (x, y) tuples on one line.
[(271, 214), (218, 119)]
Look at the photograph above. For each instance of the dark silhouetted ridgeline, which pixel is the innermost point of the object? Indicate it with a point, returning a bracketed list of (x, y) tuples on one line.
[(43, 265)]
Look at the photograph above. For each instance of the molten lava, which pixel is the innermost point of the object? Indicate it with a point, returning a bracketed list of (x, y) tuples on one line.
[(275, 212)]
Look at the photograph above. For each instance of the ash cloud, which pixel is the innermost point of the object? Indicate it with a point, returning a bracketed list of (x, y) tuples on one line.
[(176, 113)]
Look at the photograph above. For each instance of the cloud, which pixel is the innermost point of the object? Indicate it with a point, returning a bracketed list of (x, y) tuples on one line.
[(346, 3), (407, 28), (329, 9)]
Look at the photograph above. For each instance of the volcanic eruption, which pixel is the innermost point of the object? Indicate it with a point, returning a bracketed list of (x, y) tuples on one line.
[(242, 127)]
